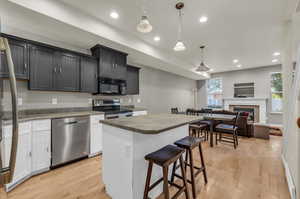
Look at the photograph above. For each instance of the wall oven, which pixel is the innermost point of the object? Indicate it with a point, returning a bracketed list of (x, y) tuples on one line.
[(112, 87)]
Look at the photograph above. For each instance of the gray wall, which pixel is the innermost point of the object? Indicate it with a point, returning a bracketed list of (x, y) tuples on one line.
[(260, 76), (159, 91)]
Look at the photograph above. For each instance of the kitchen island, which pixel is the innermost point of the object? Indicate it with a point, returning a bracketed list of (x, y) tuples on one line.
[(126, 141)]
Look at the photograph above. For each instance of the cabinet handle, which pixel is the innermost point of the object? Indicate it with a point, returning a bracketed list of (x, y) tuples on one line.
[(47, 149), (25, 67), (30, 154), (54, 70), (60, 70)]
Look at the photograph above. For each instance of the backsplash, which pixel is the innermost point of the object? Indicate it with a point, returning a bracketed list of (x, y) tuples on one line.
[(45, 99)]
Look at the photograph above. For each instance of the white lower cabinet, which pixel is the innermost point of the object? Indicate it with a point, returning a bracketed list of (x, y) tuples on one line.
[(33, 153), (23, 161), (95, 134), (41, 146)]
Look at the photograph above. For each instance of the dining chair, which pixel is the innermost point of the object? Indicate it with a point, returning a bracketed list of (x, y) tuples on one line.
[(174, 110), (228, 132)]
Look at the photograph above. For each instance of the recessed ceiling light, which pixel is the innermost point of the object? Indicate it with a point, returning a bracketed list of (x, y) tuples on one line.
[(239, 65), (276, 54), (114, 15), (203, 19), (156, 38), (275, 60), (235, 61)]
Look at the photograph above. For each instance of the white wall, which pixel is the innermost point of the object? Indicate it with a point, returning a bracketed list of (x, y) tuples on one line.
[(291, 140), (261, 78)]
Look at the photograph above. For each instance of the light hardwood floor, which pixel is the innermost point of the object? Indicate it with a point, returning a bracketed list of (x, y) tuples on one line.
[(253, 171)]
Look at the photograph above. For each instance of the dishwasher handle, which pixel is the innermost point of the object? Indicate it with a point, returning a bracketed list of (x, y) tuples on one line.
[(69, 123)]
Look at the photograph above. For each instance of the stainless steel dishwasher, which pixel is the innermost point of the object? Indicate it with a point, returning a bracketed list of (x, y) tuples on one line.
[(70, 139)]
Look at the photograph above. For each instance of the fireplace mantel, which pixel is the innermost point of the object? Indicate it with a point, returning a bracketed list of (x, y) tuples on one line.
[(261, 102)]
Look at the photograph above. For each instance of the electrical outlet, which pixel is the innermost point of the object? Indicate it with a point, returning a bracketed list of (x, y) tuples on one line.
[(54, 101), (139, 100), (20, 101)]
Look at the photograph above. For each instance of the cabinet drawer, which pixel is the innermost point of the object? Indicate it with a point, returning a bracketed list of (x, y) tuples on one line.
[(96, 118), (41, 125), (24, 128)]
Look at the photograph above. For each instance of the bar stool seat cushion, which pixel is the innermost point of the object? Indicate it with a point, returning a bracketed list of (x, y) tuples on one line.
[(165, 155), (188, 142), (226, 128)]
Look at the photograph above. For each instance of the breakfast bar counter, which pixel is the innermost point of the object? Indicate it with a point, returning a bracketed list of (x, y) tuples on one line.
[(126, 141)]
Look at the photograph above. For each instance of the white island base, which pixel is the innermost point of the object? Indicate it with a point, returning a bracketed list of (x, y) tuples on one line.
[(124, 166)]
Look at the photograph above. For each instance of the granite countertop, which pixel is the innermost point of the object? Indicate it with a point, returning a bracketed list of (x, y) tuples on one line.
[(134, 108), (152, 124), (36, 114)]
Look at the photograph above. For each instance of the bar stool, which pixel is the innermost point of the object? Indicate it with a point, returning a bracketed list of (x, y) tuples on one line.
[(189, 143), (197, 130), (164, 157)]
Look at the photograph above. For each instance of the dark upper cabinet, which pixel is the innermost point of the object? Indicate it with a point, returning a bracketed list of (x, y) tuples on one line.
[(112, 63), (106, 63), (89, 75), (67, 70), (120, 67), (20, 59), (53, 70), (42, 63), (133, 87)]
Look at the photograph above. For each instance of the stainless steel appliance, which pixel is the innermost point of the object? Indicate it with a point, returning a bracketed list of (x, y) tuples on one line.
[(7, 171), (111, 108), (70, 139), (112, 87)]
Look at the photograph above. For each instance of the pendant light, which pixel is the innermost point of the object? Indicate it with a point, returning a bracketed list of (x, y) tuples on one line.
[(179, 46), (144, 26), (202, 67)]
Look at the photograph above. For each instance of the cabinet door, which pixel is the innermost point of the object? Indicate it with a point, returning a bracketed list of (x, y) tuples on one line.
[(20, 59), (106, 63), (42, 68), (96, 139), (67, 76), (120, 68), (89, 75), (23, 161), (132, 80), (41, 151)]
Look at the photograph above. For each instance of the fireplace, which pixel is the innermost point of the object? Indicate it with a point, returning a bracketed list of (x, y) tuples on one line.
[(253, 111), (258, 104)]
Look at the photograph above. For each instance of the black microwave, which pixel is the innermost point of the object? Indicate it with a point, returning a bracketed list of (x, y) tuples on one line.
[(112, 86)]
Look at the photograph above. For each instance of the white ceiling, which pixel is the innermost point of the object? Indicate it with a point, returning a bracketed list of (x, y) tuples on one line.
[(247, 30)]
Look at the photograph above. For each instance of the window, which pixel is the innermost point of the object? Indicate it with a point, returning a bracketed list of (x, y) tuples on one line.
[(276, 92), (214, 93)]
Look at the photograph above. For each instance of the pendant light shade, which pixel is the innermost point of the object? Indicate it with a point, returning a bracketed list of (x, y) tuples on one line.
[(144, 26), (202, 67), (179, 46)]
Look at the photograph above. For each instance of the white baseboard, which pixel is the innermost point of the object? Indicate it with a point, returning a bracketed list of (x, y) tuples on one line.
[(289, 179)]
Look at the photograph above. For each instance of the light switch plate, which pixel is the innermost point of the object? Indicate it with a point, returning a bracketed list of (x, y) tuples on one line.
[(54, 101), (139, 100), (90, 100), (20, 101), (121, 100), (129, 100)]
